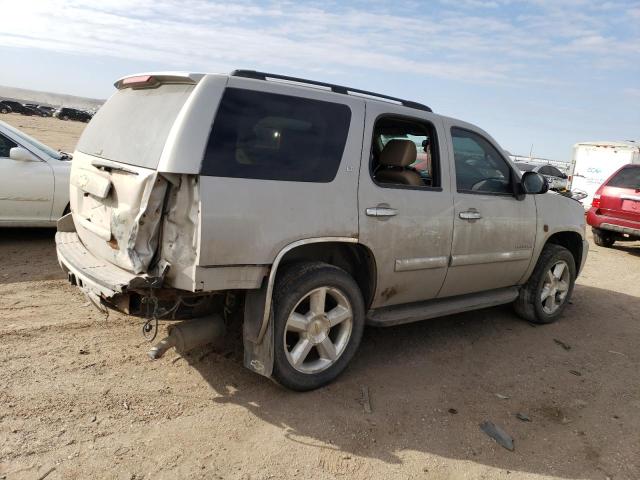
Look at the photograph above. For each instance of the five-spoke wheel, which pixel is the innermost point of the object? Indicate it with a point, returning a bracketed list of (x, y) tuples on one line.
[(555, 287), (318, 330), (318, 320), (548, 290)]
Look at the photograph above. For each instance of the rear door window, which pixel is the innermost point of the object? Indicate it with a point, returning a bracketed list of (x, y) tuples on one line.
[(626, 178), (276, 137)]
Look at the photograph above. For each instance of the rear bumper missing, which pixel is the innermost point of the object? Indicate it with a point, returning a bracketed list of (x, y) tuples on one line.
[(90, 273)]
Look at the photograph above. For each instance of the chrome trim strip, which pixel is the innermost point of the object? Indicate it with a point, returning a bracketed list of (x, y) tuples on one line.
[(274, 269), (630, 197), (410, 264), (481, 258)]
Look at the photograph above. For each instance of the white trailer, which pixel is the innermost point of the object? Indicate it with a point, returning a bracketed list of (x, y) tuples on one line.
[(594, 162)]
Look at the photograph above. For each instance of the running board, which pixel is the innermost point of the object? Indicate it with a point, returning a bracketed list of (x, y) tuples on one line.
[(414, 312)]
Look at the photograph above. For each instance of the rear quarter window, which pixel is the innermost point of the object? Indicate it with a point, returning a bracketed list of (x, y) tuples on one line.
[(626, 178), (276, 137)]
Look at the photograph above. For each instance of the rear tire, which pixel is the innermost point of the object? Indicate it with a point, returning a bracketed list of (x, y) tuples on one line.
[(4, 110), (603, 238), (548, 291), (319, 318)]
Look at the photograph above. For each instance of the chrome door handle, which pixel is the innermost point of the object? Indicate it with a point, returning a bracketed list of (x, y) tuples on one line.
[(381, 212), (470, 215)]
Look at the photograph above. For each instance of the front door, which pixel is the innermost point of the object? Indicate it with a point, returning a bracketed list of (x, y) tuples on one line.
[(405, 204), (26, 188), (494, 232)]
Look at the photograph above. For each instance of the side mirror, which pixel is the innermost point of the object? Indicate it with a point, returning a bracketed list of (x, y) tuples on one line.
[(22, 155), (534, 183)]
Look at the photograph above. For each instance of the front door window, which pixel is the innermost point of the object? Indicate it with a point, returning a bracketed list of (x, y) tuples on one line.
[(479, 166)]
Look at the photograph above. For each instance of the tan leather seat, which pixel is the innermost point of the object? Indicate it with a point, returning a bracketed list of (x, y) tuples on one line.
[(395, 157)]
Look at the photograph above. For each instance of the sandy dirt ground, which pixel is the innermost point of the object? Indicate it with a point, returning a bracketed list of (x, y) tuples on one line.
[(56, 133), (79, 398)]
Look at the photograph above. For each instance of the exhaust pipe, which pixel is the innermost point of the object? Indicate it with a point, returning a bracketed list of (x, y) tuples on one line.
[(190, 334)]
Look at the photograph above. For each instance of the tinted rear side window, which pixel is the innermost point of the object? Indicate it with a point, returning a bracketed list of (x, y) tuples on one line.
[(276, 137), (626, 178)]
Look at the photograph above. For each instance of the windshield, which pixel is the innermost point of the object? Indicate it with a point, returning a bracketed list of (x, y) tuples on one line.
[(39, 145), (133, 125)]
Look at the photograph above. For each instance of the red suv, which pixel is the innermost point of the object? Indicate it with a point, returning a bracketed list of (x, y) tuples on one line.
[(615, 210)]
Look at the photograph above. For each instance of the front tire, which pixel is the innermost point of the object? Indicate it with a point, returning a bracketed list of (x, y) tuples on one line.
[(603, 238), (545, 296), (319, 318)]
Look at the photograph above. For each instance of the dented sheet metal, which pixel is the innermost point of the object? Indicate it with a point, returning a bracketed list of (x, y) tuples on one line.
[(91, 182), (91, 273), (180, 230), (120, 226)]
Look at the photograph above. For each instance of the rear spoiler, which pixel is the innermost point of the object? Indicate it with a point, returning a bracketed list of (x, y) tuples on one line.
[(155, 79)]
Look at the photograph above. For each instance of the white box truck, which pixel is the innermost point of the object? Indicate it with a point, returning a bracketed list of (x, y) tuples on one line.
[(594, 162)]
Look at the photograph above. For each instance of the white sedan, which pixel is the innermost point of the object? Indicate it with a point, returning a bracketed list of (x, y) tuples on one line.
[(34, 180)]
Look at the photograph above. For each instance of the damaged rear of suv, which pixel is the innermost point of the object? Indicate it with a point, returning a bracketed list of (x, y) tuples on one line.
[(306, 210), (134, 205)]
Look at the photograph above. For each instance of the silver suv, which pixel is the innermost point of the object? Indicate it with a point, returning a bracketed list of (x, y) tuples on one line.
[(307, 210)]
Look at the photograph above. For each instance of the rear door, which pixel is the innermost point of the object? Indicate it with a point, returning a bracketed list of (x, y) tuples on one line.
[(494, 232), (26, 188), (408, 228)]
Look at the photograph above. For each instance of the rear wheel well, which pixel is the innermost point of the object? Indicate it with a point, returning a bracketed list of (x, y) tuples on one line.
[(572, 241), (356, 259)]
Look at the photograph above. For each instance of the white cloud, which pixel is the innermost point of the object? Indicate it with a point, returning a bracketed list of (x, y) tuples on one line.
[(468, 39)]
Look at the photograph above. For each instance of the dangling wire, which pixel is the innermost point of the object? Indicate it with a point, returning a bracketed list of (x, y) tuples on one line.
[(150, 327)]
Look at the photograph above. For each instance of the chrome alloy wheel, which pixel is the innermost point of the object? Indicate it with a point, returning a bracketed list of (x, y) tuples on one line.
[(318, 330), (555, 287)]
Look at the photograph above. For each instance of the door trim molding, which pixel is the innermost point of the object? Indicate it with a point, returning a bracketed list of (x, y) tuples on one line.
[(482, 258), (425, 263)]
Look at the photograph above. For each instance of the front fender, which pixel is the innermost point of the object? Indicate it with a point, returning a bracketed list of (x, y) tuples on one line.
[(557, 214)]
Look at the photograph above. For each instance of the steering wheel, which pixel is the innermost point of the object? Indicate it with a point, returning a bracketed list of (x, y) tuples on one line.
[(494, 184)]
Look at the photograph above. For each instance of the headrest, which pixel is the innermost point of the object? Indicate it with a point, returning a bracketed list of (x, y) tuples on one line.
[(398, 153)]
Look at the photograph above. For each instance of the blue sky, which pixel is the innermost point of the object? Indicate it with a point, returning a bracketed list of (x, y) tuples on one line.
[(543, 72)]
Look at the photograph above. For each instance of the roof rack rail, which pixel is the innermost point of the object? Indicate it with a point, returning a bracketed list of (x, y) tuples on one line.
[(334, 88)]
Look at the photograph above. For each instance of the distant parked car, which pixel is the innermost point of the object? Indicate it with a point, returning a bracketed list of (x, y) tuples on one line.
[(557, 180), (17, 107), (42, 110), (47, 111), (34, 180), (66, 113), (615, 208)]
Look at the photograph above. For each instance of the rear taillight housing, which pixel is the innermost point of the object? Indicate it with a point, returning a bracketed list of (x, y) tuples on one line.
[(595, 203)]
